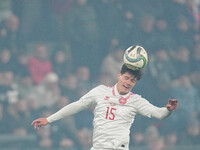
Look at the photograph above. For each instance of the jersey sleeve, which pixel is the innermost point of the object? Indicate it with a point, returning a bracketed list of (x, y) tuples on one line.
[(147, 109), (83, 103)]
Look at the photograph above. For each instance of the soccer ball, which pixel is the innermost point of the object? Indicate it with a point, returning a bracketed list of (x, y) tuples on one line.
[(135, 57)]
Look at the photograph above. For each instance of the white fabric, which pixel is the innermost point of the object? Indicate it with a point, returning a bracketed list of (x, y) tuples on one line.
[(113, 115)]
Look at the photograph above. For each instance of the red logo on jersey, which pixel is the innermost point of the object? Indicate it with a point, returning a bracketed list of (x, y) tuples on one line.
[(112, 104), (106, 98), (122, 100)]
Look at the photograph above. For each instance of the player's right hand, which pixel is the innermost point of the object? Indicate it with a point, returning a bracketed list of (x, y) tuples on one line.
[(39, 122)]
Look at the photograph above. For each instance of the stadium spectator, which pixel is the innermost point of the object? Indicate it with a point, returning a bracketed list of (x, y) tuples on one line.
[(157, 144), (182, 89), (83, 34), (84, 79), (161, 77), (193, 7), (164, 38), (8, 89), (47, 92), (181, 59), (157, 66), (3, 119), (196, 56), (6, 60), (174, 9), (112, 63), (151, 133), (39, 64), (61, 61), (171, 141), (5, 9), (25, 86), (182, 32), (21, 65), (85, 137), (10, 34), (195, 70), (45, 141), (192, 135), (33, 106), (59, 10), (137, 140), (36, 21), (195, 79), (18, 112), (69, 87), (146, 31)]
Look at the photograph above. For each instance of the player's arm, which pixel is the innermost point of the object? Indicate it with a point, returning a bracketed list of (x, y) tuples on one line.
[(164, 112), (86, 101), (149, 110), (68, 110)]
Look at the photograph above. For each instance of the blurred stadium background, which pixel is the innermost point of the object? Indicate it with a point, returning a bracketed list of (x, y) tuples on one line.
[(53, 51)]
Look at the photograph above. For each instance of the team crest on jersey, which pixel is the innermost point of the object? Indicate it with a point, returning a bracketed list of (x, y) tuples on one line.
[(122, 100)]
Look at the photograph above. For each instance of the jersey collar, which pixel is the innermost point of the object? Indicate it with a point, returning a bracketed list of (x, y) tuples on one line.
[(116, 93)]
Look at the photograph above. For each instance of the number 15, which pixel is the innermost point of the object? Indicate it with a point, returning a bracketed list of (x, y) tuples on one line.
[(109, 114)]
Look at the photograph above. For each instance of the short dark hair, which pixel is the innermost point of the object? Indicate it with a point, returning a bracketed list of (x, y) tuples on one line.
[(136, 73)]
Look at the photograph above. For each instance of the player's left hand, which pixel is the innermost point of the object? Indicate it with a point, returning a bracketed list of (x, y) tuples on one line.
[(172, 104)]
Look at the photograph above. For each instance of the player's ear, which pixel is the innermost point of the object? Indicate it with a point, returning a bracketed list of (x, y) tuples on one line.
[(119, 75)]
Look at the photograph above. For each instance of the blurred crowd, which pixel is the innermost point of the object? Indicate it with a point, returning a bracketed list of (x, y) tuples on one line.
[(52, 52)]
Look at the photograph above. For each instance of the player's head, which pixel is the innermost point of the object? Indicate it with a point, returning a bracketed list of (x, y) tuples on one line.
[(127, 79), (136, 73)]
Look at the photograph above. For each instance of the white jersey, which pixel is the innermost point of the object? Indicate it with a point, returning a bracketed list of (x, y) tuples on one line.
[(113, 115)]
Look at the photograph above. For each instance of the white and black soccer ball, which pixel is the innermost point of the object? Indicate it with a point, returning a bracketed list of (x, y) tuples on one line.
[(135, 57)]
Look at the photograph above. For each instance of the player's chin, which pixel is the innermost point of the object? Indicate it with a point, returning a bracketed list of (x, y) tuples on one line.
[(126, 91)]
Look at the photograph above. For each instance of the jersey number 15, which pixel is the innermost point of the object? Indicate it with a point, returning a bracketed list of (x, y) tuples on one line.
[(109, 114)]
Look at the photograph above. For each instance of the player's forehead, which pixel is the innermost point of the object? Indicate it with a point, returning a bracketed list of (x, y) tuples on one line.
[(129, 75)]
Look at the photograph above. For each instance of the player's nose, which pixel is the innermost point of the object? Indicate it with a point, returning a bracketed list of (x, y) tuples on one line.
[(128, 83)]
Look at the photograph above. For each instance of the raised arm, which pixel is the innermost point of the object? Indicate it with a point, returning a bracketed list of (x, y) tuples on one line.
[(149, 110), (83, 103), (68, 110)]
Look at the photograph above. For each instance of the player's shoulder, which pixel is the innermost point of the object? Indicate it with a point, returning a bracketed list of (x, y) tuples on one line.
[(102, 87), (95, 91), (133, 95), (137, 97)]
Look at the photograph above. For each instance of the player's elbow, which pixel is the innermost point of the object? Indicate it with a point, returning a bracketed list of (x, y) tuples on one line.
[(160, 116)]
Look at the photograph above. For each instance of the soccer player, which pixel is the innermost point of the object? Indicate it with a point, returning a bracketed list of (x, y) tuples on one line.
[(115, 110)]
